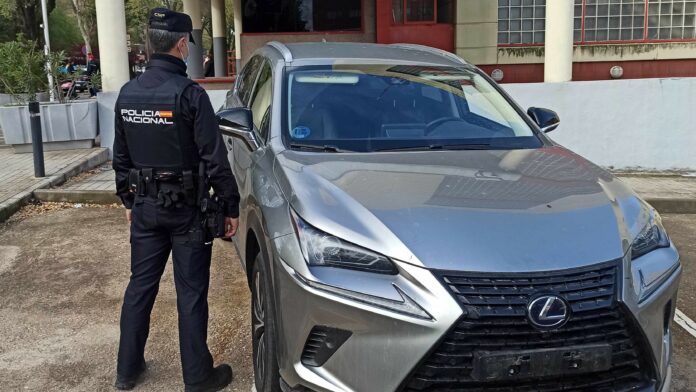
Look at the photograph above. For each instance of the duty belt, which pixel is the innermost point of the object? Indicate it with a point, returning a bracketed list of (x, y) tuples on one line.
[(171, 189)]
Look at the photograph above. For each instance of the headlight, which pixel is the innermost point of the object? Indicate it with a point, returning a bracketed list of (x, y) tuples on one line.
[(652, 237), (651, 270), (322, 249)]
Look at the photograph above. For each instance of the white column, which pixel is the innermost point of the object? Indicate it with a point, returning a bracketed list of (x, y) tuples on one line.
[(113, 50), (238, 34), (558, 57), (217, 13), (195, 61)]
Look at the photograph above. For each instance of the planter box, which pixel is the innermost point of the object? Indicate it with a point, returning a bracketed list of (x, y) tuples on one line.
[(9, 99), (64, 126)]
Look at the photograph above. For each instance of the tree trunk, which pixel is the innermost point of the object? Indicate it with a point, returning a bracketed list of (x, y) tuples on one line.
[(77, 7), (29, 18), (28, 23)]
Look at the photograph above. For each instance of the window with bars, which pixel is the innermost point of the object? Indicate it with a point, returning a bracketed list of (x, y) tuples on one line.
[(521, 21), (598, 21)]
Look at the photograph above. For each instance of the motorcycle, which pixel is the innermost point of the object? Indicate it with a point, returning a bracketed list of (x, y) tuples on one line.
[(74, 86)]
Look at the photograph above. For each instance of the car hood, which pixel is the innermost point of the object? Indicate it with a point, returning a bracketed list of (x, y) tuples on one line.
[(487, 211)]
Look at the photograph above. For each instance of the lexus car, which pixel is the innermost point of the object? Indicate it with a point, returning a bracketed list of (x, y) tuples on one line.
[(406, 226)]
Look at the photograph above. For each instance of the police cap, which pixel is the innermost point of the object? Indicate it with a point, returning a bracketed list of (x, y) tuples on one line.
[(166, 19)]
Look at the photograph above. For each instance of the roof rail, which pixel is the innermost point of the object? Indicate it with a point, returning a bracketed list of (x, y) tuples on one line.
[(435, 51), (279, 46)]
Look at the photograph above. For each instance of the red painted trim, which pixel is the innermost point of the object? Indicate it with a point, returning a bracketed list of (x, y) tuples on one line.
[(582, 21), (645, 19), (518, 45), (229, 79), (534, 73), (404, 18), (517, 73), (328, 32), (439, 35), (423, 23)]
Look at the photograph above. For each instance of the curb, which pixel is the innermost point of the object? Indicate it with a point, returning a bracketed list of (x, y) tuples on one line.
[(12, 205), (76, 196)]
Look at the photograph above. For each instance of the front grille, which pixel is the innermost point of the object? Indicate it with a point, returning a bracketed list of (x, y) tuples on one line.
[(494, 320)]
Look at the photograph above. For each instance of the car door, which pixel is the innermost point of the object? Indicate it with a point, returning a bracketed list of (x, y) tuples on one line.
[(253, 169), (239, 96), (259, 102)]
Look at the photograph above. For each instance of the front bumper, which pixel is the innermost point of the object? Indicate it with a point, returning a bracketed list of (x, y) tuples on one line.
[(386, 346)]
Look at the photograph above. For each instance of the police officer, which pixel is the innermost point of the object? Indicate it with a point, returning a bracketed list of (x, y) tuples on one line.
[(165, 127)]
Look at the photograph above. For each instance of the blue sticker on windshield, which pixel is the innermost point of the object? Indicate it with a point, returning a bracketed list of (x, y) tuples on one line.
[(300, 132)]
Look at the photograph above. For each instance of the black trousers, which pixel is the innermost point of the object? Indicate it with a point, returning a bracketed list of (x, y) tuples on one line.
[(155, 232)]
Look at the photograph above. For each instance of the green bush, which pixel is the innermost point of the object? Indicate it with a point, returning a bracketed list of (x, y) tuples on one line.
[(22, 68)]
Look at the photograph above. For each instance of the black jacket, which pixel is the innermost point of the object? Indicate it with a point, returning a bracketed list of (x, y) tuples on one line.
[(196, 109)]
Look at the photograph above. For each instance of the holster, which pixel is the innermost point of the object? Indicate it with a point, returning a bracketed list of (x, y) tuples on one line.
[(213, 210), (136, 183), (188, 186)]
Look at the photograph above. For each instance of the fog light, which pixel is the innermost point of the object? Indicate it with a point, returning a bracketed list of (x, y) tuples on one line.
[(497, 74), (322, 343)]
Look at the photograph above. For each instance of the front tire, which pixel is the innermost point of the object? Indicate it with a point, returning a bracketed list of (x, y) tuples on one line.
[(263, 332)]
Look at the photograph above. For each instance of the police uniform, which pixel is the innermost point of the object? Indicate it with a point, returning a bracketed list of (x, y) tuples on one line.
[(165, 127)]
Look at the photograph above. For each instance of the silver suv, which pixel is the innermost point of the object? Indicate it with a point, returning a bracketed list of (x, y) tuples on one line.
[(406, 226)]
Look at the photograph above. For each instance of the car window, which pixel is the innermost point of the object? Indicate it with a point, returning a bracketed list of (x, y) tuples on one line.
[(261, 100), (382, 107), (246, 79)]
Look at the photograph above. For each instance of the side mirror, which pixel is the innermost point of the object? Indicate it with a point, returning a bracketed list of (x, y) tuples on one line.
[(238, 123), (546, 119)]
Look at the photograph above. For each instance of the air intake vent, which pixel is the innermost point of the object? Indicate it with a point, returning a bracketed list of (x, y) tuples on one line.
[(322, 343)]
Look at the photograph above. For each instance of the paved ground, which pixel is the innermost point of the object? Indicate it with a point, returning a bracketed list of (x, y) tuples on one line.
[(17, 179), (662, 187), (99, 179), (682, 229), (60, 296)]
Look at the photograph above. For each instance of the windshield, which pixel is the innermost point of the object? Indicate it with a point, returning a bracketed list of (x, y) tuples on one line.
[(368, 108)]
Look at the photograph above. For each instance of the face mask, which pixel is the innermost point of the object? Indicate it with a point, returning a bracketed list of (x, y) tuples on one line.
[(185, 59)]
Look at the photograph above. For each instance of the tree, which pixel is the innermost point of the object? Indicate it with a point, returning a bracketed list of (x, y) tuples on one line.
[(64, 34), (86, 14), (27, 16)]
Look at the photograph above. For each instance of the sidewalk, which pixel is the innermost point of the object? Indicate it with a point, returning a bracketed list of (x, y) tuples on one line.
[(97, 186), (667, 193), (17, 181)]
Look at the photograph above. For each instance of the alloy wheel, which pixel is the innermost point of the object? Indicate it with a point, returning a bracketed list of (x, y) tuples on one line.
[(259, 327)]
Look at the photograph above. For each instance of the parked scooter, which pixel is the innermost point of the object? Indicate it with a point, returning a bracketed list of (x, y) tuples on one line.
[(74, 86)]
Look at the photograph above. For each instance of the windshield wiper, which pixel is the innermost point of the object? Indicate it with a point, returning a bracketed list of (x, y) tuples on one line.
[(477, 146), (315, 147)]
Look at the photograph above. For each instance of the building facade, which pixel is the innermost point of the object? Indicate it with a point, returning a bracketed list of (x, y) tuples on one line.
[(626, 38)]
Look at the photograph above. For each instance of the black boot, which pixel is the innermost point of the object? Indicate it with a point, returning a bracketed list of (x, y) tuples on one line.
[(127, 383), (219, 378)]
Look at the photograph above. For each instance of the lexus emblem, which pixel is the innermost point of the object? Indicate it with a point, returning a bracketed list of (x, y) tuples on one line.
[(548, 311)]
